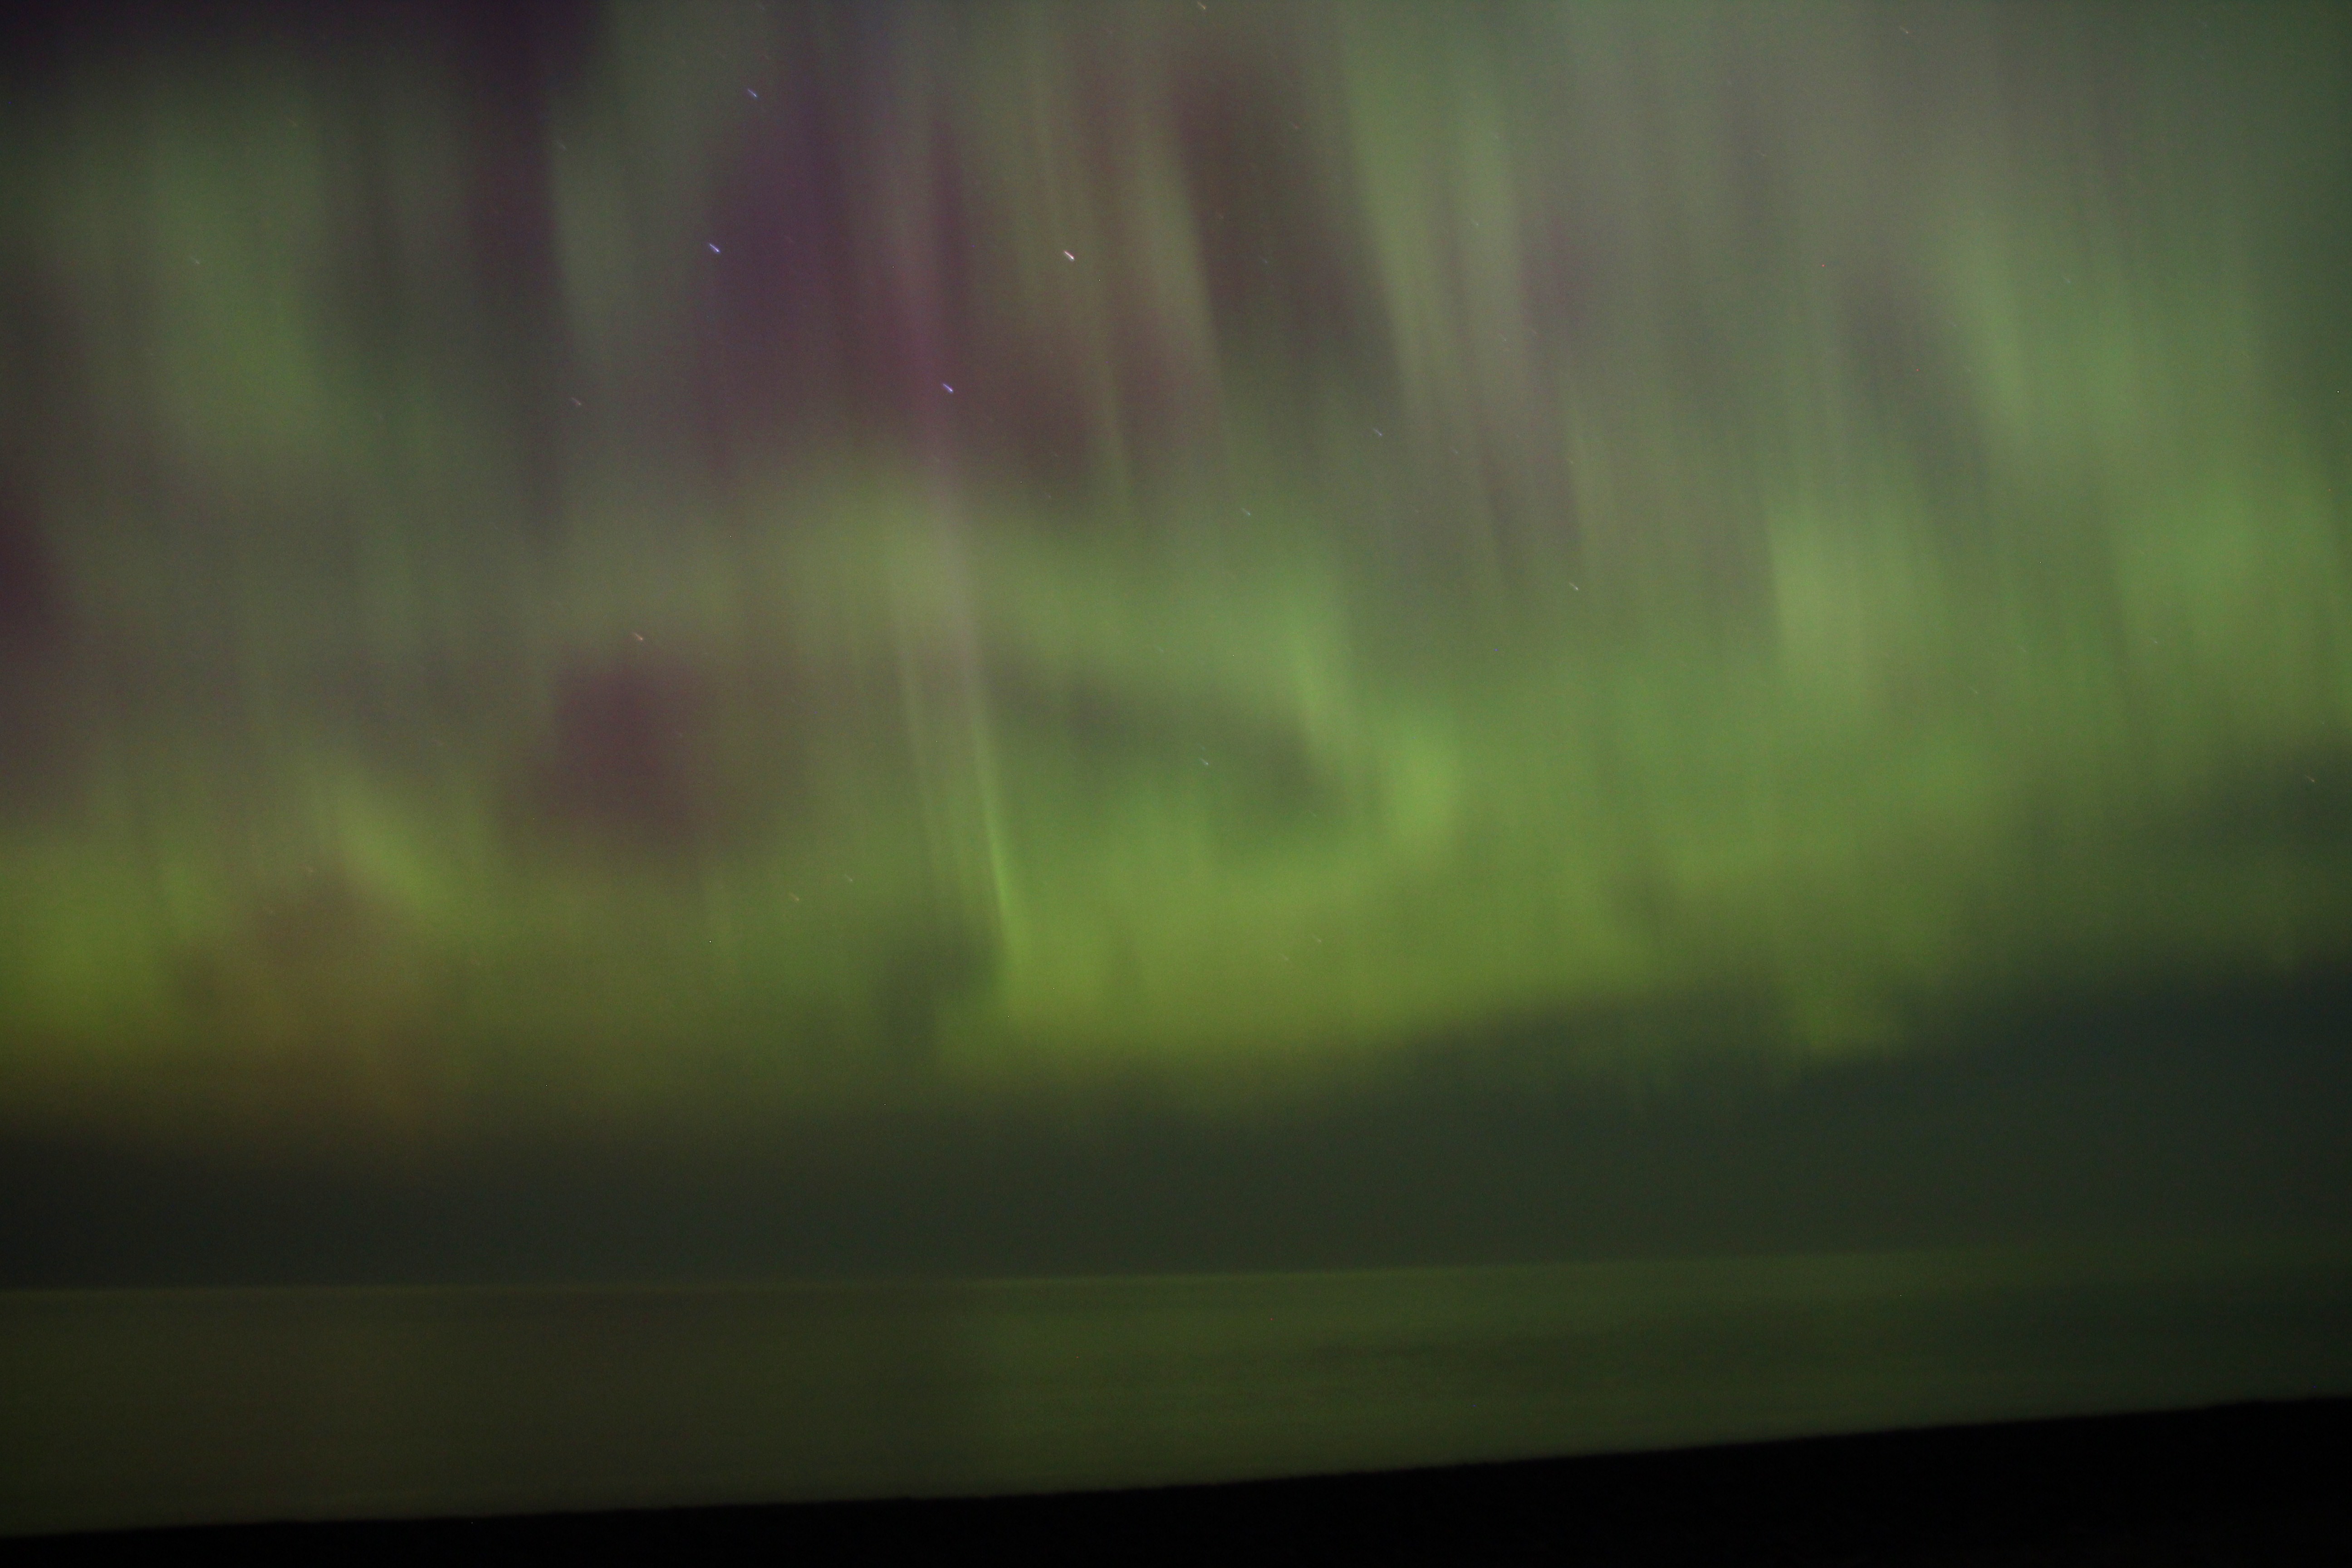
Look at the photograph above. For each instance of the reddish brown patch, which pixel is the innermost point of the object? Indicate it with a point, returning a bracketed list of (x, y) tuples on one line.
[(644, 753), (329, 1003), (628, 751)]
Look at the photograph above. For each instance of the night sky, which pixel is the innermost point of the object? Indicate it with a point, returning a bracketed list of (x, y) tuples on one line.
[(734, 640)]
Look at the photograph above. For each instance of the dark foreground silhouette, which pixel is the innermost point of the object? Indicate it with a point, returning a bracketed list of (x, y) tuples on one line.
[(2247, 1483)]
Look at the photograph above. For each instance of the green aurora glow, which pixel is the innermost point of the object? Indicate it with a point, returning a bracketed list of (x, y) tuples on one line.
[(927, 554)]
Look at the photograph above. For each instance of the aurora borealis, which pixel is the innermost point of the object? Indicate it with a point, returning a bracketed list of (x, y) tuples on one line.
[(665, 563)]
